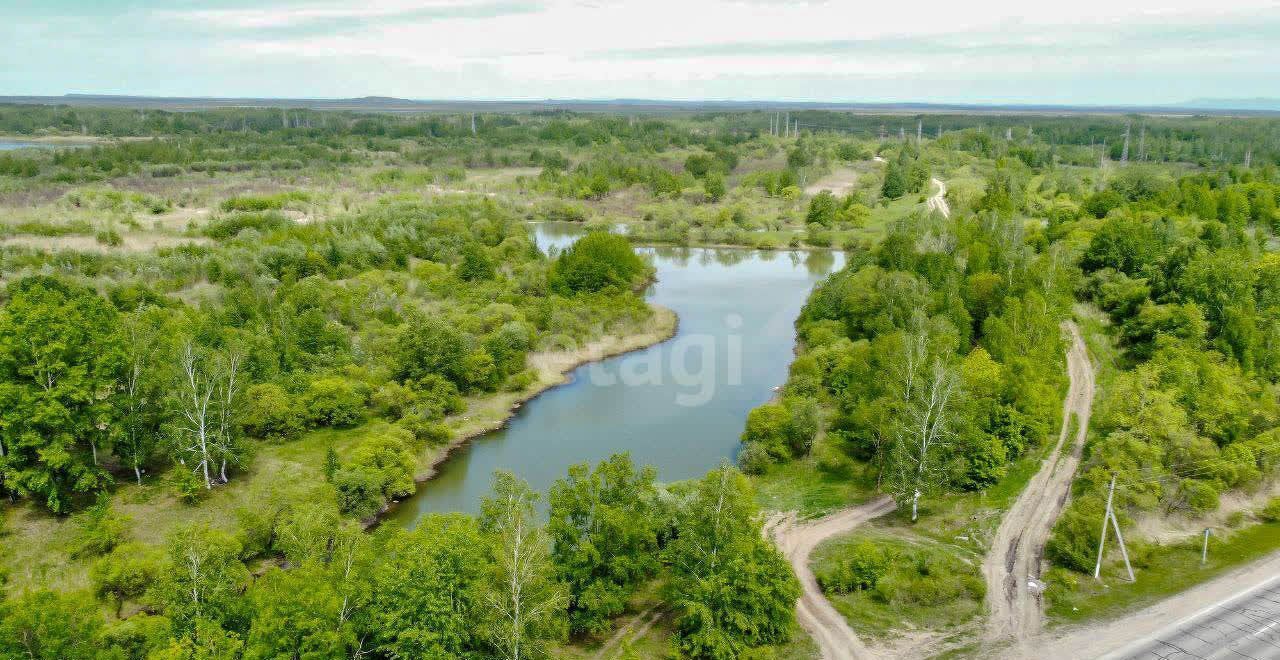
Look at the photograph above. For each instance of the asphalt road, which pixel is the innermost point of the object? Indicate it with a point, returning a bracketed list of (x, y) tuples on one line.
[(1246, 627)]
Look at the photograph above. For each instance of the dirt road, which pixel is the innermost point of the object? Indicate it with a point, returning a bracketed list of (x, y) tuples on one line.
[(835, 638), (938, 202), (1016, 554)]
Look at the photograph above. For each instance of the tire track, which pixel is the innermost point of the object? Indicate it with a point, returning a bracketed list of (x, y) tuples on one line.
[(1016, 555), (836, 640)]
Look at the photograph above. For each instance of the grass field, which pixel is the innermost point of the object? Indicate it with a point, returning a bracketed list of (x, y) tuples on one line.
[(1161, 570)]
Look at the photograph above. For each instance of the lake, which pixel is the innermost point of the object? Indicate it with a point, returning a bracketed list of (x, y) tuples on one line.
[(679, 406), (7, 144)]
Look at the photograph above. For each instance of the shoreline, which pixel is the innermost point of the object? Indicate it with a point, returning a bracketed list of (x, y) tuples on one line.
[(554, 369)]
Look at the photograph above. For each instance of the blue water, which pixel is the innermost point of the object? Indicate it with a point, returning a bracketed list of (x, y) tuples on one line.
[(679, 406)]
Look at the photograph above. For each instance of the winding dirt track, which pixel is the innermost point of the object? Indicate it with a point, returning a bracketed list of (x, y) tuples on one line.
[(1017, 552), (834, 637), (938, 201)]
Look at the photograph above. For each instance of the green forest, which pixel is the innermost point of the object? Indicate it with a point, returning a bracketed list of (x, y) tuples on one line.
[(232, 340)]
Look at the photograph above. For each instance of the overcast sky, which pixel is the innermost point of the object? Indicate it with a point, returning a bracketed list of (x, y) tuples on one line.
[(1078, 52)]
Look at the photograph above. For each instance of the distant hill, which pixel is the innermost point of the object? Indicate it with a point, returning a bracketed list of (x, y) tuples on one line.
[(1259, 104), (387, 104)]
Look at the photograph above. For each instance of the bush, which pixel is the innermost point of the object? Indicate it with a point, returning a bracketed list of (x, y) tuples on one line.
[(379, 469), (259, 203), (436, 397), (1200, 496), (930, 578), (189, 487), (270, 413), (425, 430), (99, 529), (859, 570), (393, 400), (1271, 512), (125, 574), (1074, 540), (596, 261), (785, 429), (754, 458), (109, 237), (334, 402), (430, 347), (476, 264), (230, 226)]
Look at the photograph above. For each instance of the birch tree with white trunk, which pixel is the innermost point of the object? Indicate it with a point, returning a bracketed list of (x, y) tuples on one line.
[(526, 604)]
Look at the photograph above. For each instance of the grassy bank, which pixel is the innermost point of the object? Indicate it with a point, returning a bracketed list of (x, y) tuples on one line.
[(1161, 571)]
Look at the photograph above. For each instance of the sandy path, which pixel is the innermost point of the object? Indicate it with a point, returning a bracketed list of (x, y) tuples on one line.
[(1017, 552), (839, 182), (1111, 639), (835, 638), (938, 202)]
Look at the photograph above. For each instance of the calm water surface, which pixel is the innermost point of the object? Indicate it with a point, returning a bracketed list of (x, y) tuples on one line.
[(7, 144), (679, 406)]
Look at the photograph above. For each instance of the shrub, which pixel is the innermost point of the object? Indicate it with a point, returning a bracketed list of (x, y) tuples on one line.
[(270, 413), (259, 203), (99, 529), (436, 397), (476, 264), (425, 430), (785, 429), (1271, 512), (189, 487), (1200, 496), (858, 570), (430, 347), (597, 261), (334, 402), (754, 458), (230, 226), (379, 469), (124, 574), (929, 578), (109, 237), (392, 400), (1074, 540)]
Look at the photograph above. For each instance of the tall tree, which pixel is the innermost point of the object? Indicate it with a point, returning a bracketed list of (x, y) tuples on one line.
[(203, 578), (205, 401), (142, 383), (59, 366), (526, 603), (732, 588), (426, 592), (604, 537)]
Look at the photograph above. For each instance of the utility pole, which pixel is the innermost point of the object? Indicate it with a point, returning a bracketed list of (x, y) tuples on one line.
[(1110, 516), (1204, 552)]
